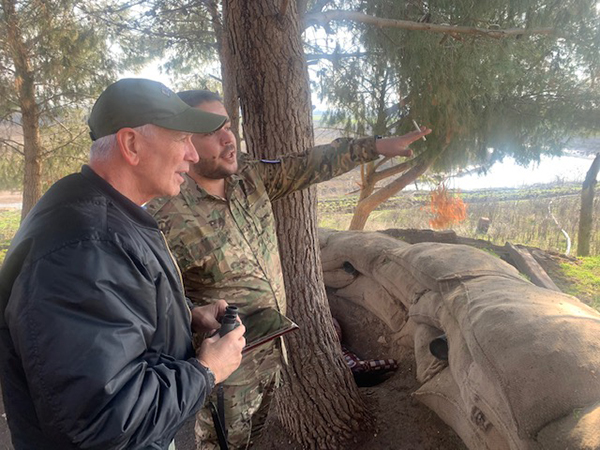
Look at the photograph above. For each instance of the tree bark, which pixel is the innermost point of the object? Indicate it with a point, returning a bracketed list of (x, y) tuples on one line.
[(587, 207), (25, 86), (319, 404), (230, 95)]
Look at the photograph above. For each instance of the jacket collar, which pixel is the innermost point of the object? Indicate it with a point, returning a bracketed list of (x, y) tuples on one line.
[(134, 211)]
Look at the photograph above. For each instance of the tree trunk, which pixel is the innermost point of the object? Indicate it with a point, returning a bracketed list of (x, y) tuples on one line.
[(230, 95), (24, 83), (587, 206), (319, 404)]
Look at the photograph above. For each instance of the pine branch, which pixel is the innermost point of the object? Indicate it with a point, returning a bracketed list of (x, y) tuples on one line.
[(328, 16), (65, 144)]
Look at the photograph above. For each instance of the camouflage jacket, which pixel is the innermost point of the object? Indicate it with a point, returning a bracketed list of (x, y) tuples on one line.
[(227, 248)]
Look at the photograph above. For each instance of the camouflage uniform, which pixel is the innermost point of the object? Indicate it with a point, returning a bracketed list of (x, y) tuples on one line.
[(227, 249)]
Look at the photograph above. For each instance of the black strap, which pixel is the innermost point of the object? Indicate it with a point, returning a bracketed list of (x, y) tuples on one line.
[(221, 408), (219, 426)]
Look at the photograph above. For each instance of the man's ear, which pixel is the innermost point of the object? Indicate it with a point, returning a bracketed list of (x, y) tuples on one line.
[(128, 141)]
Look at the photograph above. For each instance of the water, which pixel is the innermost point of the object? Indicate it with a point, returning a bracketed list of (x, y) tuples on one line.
[(509, 174)]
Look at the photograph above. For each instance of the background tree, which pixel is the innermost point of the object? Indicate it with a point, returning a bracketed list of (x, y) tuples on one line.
[(521, 95), (55, 58), (587, 208)]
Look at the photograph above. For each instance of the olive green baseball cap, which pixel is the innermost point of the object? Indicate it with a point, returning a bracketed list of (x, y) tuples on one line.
[(133, 102)]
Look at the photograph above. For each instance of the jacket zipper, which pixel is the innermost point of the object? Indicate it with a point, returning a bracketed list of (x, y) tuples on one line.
[(178, 272)]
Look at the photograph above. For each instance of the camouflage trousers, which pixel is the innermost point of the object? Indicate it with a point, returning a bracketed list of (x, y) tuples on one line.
[(247, 396)]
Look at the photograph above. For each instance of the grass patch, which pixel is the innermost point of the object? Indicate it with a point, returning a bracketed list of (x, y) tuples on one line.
[(9, 224), (586, 274)]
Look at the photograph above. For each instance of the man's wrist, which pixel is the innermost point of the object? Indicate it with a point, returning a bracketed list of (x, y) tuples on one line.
[(210, 374)]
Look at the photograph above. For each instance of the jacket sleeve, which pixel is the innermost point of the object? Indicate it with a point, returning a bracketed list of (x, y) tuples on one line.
[(84, 334), (290, 173)]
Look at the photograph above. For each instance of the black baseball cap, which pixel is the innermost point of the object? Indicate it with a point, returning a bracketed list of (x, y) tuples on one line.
[(133, 102)]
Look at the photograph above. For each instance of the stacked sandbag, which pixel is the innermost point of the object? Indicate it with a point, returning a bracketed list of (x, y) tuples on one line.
[(523, 363), (351, 262)]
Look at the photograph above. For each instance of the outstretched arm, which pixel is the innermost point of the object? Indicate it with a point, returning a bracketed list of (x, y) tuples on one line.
[(297, 171)]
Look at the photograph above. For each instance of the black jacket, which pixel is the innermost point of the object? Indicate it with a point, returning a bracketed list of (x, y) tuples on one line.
[(95, 340)]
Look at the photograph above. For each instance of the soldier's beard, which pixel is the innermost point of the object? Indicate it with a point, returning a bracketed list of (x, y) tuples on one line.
[(219, 168)]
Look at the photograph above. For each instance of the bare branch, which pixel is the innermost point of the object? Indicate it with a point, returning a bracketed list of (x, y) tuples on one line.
[(333, 56), (13, 145), (420, 164), (327, 16), (382, 161), (398, 168)]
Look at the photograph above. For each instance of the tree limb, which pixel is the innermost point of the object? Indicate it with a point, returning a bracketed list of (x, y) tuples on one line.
[(419, 166), (13, 145), (328, 16), (333, 56), (398, 168)]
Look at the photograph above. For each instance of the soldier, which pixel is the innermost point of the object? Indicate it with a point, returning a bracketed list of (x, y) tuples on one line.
[(221, 229)]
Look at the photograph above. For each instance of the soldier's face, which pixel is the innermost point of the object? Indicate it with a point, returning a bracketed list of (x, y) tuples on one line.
[(217, 151)]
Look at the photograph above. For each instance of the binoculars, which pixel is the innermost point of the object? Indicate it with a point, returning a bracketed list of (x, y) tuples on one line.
[(229, 320)]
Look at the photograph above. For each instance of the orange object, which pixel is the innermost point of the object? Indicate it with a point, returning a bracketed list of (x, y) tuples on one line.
[(447, 208)]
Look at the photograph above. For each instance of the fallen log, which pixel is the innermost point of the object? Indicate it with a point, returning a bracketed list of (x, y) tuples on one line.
[(526, 263)]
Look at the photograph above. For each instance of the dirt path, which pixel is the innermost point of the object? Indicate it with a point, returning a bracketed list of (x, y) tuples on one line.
[(401, 422), (10, 199)]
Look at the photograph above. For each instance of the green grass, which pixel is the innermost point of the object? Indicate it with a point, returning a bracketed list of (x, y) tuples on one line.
[(586, 274), (9, 224)]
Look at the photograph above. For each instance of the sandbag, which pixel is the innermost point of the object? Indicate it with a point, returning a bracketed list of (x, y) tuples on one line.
[(361, 249), (427, 365), (579, 430), (442, 395), (432, 263), (523, 361), (338, 278), (371, 295), (535, 352), (426, 309)]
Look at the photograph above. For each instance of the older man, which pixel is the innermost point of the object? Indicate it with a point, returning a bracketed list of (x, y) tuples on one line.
[(222, 230), (95, 331)]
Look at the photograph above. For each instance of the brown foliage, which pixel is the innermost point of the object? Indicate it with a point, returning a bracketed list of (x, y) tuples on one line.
[(447, 208)]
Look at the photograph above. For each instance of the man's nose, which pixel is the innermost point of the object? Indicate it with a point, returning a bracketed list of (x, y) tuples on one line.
[(226, 136), (190, 152)]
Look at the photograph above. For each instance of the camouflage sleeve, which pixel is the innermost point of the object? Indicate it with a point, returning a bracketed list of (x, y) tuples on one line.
[(297, 171), (177, 224)]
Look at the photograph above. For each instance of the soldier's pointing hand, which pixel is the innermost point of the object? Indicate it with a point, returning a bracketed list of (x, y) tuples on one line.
[(398, 145)]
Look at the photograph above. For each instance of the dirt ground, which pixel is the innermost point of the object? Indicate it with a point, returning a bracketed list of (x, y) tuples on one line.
[(401, 422)]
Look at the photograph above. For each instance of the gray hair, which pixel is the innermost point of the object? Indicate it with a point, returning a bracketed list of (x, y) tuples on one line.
[(101, 149)]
